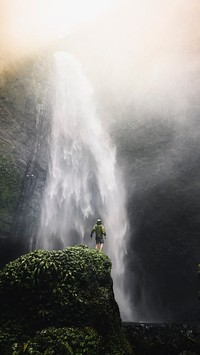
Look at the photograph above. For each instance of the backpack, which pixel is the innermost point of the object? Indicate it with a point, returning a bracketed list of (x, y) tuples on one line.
[(99, 230)]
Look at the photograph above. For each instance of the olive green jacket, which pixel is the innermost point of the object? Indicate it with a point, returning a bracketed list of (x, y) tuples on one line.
[(99, 230)]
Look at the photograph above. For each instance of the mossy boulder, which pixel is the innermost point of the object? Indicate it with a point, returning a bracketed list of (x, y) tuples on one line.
[(50, 292)]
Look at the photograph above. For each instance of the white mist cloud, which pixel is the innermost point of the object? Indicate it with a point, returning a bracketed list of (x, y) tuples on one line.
[(27, 26), (130, 48), (143, 53)]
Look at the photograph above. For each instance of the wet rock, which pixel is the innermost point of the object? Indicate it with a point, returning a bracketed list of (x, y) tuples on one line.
[(164, 339), (25, 124)]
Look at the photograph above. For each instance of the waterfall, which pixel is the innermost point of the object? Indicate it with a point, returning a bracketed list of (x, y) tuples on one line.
[(84, 181)]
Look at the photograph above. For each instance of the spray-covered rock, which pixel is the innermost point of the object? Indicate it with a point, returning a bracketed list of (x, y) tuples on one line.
[(70, 288), (24, 112)]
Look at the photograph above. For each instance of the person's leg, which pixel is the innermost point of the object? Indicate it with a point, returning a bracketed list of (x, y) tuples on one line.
[(97, 246), (101, 247)]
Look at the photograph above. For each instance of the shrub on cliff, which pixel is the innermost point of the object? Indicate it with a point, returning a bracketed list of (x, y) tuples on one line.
[(70, 288), (54, 341)]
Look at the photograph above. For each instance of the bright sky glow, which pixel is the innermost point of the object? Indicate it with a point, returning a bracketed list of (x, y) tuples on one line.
[(27, 25), (55, 18), (61, 15)]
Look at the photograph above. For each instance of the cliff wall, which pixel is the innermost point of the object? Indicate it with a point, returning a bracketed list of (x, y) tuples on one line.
[(24, 129)]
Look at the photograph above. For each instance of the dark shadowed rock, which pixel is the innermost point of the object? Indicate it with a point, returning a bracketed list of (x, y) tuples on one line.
[(160, 159), (164, 339)]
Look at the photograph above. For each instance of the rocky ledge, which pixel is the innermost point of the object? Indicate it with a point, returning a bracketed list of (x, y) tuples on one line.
[(60, 302)]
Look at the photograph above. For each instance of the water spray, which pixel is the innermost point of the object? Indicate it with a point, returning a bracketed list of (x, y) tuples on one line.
[(83, 180)]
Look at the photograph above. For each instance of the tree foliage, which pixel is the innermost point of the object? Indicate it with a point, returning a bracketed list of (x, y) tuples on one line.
[(61, 294)]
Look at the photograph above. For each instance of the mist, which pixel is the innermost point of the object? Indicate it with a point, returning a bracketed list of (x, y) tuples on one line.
[(147, 58), (143, 61), (133, 52)]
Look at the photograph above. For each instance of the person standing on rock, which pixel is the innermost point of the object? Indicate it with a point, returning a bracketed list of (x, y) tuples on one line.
[(100, 234)]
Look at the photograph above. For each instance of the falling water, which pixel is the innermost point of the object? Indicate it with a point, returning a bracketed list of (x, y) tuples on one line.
[(84, 180)]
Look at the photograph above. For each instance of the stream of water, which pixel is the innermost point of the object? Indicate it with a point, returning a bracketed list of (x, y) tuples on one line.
[(84, 181)]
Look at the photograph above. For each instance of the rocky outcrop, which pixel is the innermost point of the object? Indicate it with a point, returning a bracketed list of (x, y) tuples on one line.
[(63, 297), (24, 113)]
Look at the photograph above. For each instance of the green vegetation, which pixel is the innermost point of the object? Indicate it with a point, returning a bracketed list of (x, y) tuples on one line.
[(54, 341), (60, 299)]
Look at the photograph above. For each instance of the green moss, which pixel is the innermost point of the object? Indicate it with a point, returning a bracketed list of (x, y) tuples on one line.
[(70, 288), (10, 181), (53, 341), (70, 283), (70, 341)]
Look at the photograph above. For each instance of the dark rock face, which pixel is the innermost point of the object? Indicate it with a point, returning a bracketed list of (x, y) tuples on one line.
[(160, 161), (24, 111), (165, 339), (71, 288)]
